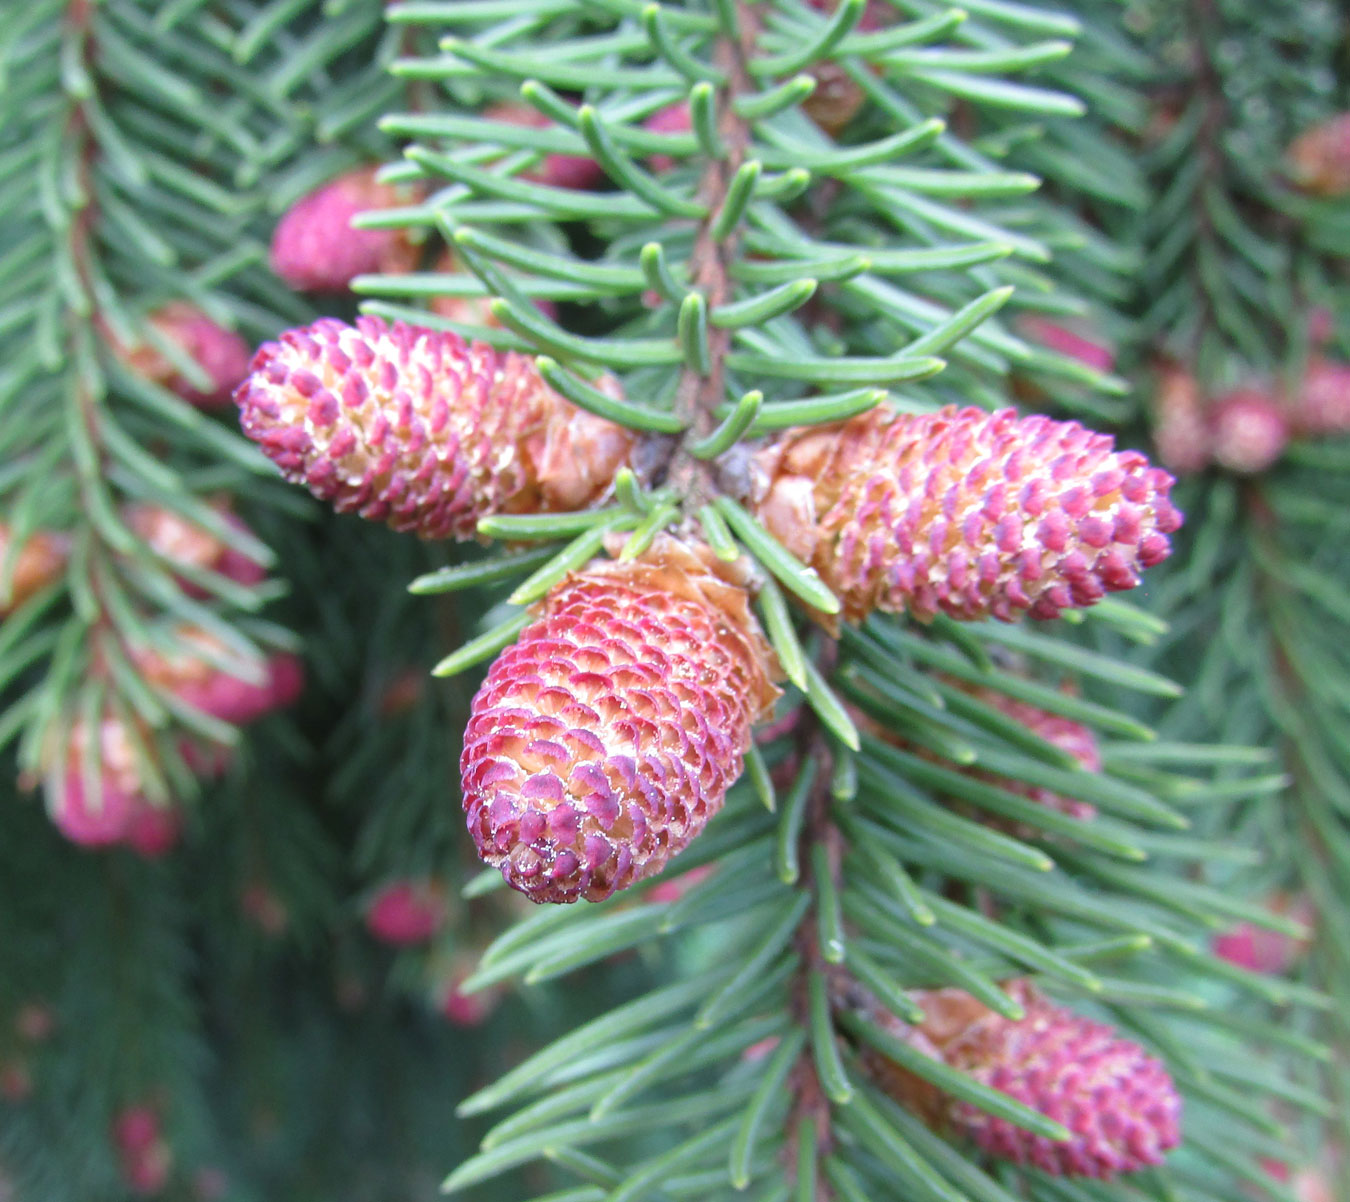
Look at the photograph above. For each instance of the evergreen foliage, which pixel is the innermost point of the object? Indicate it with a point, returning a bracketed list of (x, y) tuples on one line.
[(867, 207)]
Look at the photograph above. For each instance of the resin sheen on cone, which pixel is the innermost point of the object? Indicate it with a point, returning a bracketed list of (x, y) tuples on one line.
[(418, 429), (964, 512), (1119, 1103), (602, 742)]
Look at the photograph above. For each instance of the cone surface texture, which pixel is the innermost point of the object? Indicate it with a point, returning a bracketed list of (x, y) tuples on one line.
[(1119, 1103), (418, 429), (602, 742), (964, 512)]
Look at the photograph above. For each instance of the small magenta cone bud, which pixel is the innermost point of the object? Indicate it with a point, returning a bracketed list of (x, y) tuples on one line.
[(143, 1154), (405, 912), (1322, 404), (1319, 159), (35, 1022), (1249, 430), (1091, 351), (1119, 1103), (602, 742), (98, 817), (673, 119), (1181, 431), (876, 15), (1259, 949), (152, 831), (193, 675), (180, 541), (1064, 733), (315, 248), (416, 428), (221, 354), (964, 512)]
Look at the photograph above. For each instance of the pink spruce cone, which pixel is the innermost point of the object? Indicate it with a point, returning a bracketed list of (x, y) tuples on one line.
[(579, 172), (418, 429), (144, 1156), (964, 512), (172, 536), (101, 820), (152, 831), (1181, 431), (259, 903), (458, 1008), (35, 1022), (406, 912), (1319, 158), (221, 354), (1249, 430), (602, 742), (191, 676), (1119, 1103), (876, 15), (315, 247), (16, 1086), (1064, 733), (1259, 949), (1322, 404)]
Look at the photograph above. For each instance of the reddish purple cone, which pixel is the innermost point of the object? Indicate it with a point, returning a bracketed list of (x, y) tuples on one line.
[(1248, 429), (1119, 1103), (964, 512), (602, 742), (315, 247), (418, 429)]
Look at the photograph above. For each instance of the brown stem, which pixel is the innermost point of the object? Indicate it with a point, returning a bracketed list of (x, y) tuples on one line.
[(103, 630), (697, 395)]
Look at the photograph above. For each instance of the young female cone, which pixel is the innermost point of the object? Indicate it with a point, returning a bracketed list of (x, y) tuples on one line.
[(602, 742), (416, 428), (964, 512), (1119, 1104)]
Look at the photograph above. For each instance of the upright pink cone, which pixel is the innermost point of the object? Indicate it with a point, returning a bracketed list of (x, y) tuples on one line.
[(406, 912), (1249, 430), (964, 512), (1119, 1103), (1319, 158), (221, 354), (602, 742), (315, 247), (100, 817), (418, 429)]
